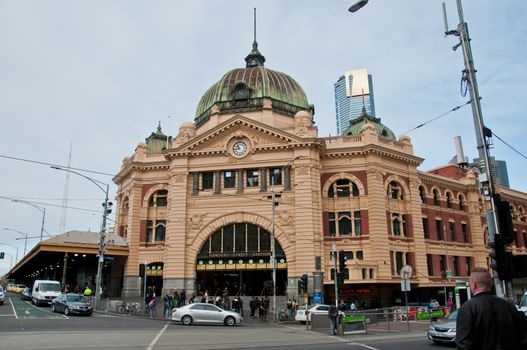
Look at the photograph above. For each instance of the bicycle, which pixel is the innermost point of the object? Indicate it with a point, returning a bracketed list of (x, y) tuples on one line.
[(130, 309)]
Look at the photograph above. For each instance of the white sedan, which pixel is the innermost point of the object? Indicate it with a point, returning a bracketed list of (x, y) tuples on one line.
[(302, 314), (205, 313)]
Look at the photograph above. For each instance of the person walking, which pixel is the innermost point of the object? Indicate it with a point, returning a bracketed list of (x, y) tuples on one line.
[(332, 315), (487, 322), (252, 307)]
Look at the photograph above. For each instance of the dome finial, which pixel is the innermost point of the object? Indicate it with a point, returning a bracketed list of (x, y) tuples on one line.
[(254, 58)]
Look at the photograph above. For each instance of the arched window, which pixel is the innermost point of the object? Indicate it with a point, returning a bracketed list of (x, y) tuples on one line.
[(155, 231), (448, 200), (343, 188), (395, 191), (422, 194), (436, 197), (158, 199), (461, 202)]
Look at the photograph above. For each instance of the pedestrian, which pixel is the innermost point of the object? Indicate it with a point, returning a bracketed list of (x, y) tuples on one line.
[(87, 291), (182, 297), (149, 295), (264, 307), (252, 307), (152, 307), (289, 307), (487, 322), (168, 306), (353, 307), (332, 315), (450, 304)]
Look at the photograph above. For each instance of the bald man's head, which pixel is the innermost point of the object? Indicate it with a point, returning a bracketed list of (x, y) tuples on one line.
[(480, 280)]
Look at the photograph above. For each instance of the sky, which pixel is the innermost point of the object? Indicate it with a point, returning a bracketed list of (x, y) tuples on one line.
[(99, 76)]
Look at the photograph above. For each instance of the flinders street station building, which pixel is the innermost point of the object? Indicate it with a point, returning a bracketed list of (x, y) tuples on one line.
[(197, 210)]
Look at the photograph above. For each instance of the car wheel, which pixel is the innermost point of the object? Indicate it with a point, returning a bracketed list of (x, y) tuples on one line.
[(66, 311), (186, 320), (229, 321), (53, 308)]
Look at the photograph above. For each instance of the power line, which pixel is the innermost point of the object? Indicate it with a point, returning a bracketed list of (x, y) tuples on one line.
[(53, 164), (56, 205), (514, 149), (439, 116)]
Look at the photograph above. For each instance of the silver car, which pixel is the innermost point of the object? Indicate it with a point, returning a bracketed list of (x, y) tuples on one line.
[(205, 313), (443, 331)]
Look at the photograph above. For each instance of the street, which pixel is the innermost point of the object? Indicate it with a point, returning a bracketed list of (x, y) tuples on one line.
[(39, 328)]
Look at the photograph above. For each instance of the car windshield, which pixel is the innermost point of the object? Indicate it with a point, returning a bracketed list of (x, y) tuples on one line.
[(49, 287), (523, 303), (452, 316), (75, 298)]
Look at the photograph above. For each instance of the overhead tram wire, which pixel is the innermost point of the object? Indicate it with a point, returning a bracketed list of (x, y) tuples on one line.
[(512, 148), (55, 205), (439, 116)]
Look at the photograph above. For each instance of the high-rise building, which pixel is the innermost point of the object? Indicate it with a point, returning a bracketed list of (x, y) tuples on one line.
[(352, 91)]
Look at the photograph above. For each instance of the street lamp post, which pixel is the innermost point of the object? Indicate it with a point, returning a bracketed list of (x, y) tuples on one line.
[(102, 233), (12, 246), (273, 248), (25, 235), (41, 209)]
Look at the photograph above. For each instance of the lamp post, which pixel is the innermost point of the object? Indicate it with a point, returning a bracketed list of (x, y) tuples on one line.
[(25, 235), (102, 234), (41, 209), (273, 248), (12, 246)]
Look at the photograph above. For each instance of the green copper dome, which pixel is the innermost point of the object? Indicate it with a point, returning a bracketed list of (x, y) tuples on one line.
[(355, 127), (244, 89)]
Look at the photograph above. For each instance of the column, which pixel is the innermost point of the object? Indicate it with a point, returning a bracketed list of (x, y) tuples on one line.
[(217, 182)]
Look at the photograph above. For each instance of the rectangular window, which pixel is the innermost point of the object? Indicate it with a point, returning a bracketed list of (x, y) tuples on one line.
[(239, 237), (464, 232), (149, 231), (332, 225), (439, 230), (426, 229), (275, 176), (429, 264), (344, 223), (356, 223), (468, 264), (252, 178), (229, 179), (455, 268), (207, 180), (252, 238), (442, 263), (398, 262), (452, 226), (160, 230)]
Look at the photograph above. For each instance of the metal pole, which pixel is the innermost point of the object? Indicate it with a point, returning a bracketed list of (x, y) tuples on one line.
[(273, 256), (487, 185), (42, 226), (100, 266), (64, 269), (447, 278), (336, 283), (406, 302)]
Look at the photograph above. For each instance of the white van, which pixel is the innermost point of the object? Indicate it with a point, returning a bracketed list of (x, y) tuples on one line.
[(44, 291)]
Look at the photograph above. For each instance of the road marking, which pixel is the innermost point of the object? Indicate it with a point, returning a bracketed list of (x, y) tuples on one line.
[(13, 307), (157, 337), (363, 345)]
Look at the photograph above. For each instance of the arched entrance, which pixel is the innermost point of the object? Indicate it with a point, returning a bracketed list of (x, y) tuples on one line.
[(237, 257)]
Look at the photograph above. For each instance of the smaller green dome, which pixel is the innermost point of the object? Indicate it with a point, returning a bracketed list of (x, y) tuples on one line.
[(355, 127)]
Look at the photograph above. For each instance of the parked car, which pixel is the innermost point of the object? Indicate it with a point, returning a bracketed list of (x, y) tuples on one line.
[(26, 294), (205, 313), (71, 303), (300, 314), (320, 309), (2, 295), (443, 331), (18, 288)]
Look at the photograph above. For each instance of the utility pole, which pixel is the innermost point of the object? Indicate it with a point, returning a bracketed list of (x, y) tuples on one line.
[(486, 183)]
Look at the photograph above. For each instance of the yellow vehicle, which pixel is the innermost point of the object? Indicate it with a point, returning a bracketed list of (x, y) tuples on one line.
[(18, 288)]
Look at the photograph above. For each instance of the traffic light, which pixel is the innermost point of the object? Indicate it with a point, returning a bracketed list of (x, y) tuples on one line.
[(502, 259), (303, 283), (340, 278), (342, 261), (503, 210)]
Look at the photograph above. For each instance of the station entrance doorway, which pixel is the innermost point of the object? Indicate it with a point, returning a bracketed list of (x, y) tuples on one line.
[(238, 257)]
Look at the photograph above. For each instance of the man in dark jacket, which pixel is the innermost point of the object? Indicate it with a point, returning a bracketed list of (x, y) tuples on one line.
[(488, 322), (333, 315)]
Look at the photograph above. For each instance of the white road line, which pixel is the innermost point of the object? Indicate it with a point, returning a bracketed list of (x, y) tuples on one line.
[(13, 307), (363, 345), (153, 342)]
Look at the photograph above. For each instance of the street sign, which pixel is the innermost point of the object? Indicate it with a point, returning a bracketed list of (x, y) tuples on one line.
[(448, 273), (405, 285), (317, 299)]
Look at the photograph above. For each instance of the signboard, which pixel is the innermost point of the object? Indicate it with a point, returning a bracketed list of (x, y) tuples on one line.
[(405, 286), (448, 273), (317, 299)]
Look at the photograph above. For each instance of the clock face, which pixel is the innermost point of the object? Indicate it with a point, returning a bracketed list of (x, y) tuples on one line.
[(239, 148)]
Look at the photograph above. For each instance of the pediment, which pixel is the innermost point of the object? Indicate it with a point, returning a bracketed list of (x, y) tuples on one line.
[(260, 137)]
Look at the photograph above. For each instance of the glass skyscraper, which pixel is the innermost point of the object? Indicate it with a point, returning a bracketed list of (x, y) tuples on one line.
[(353, 90)]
